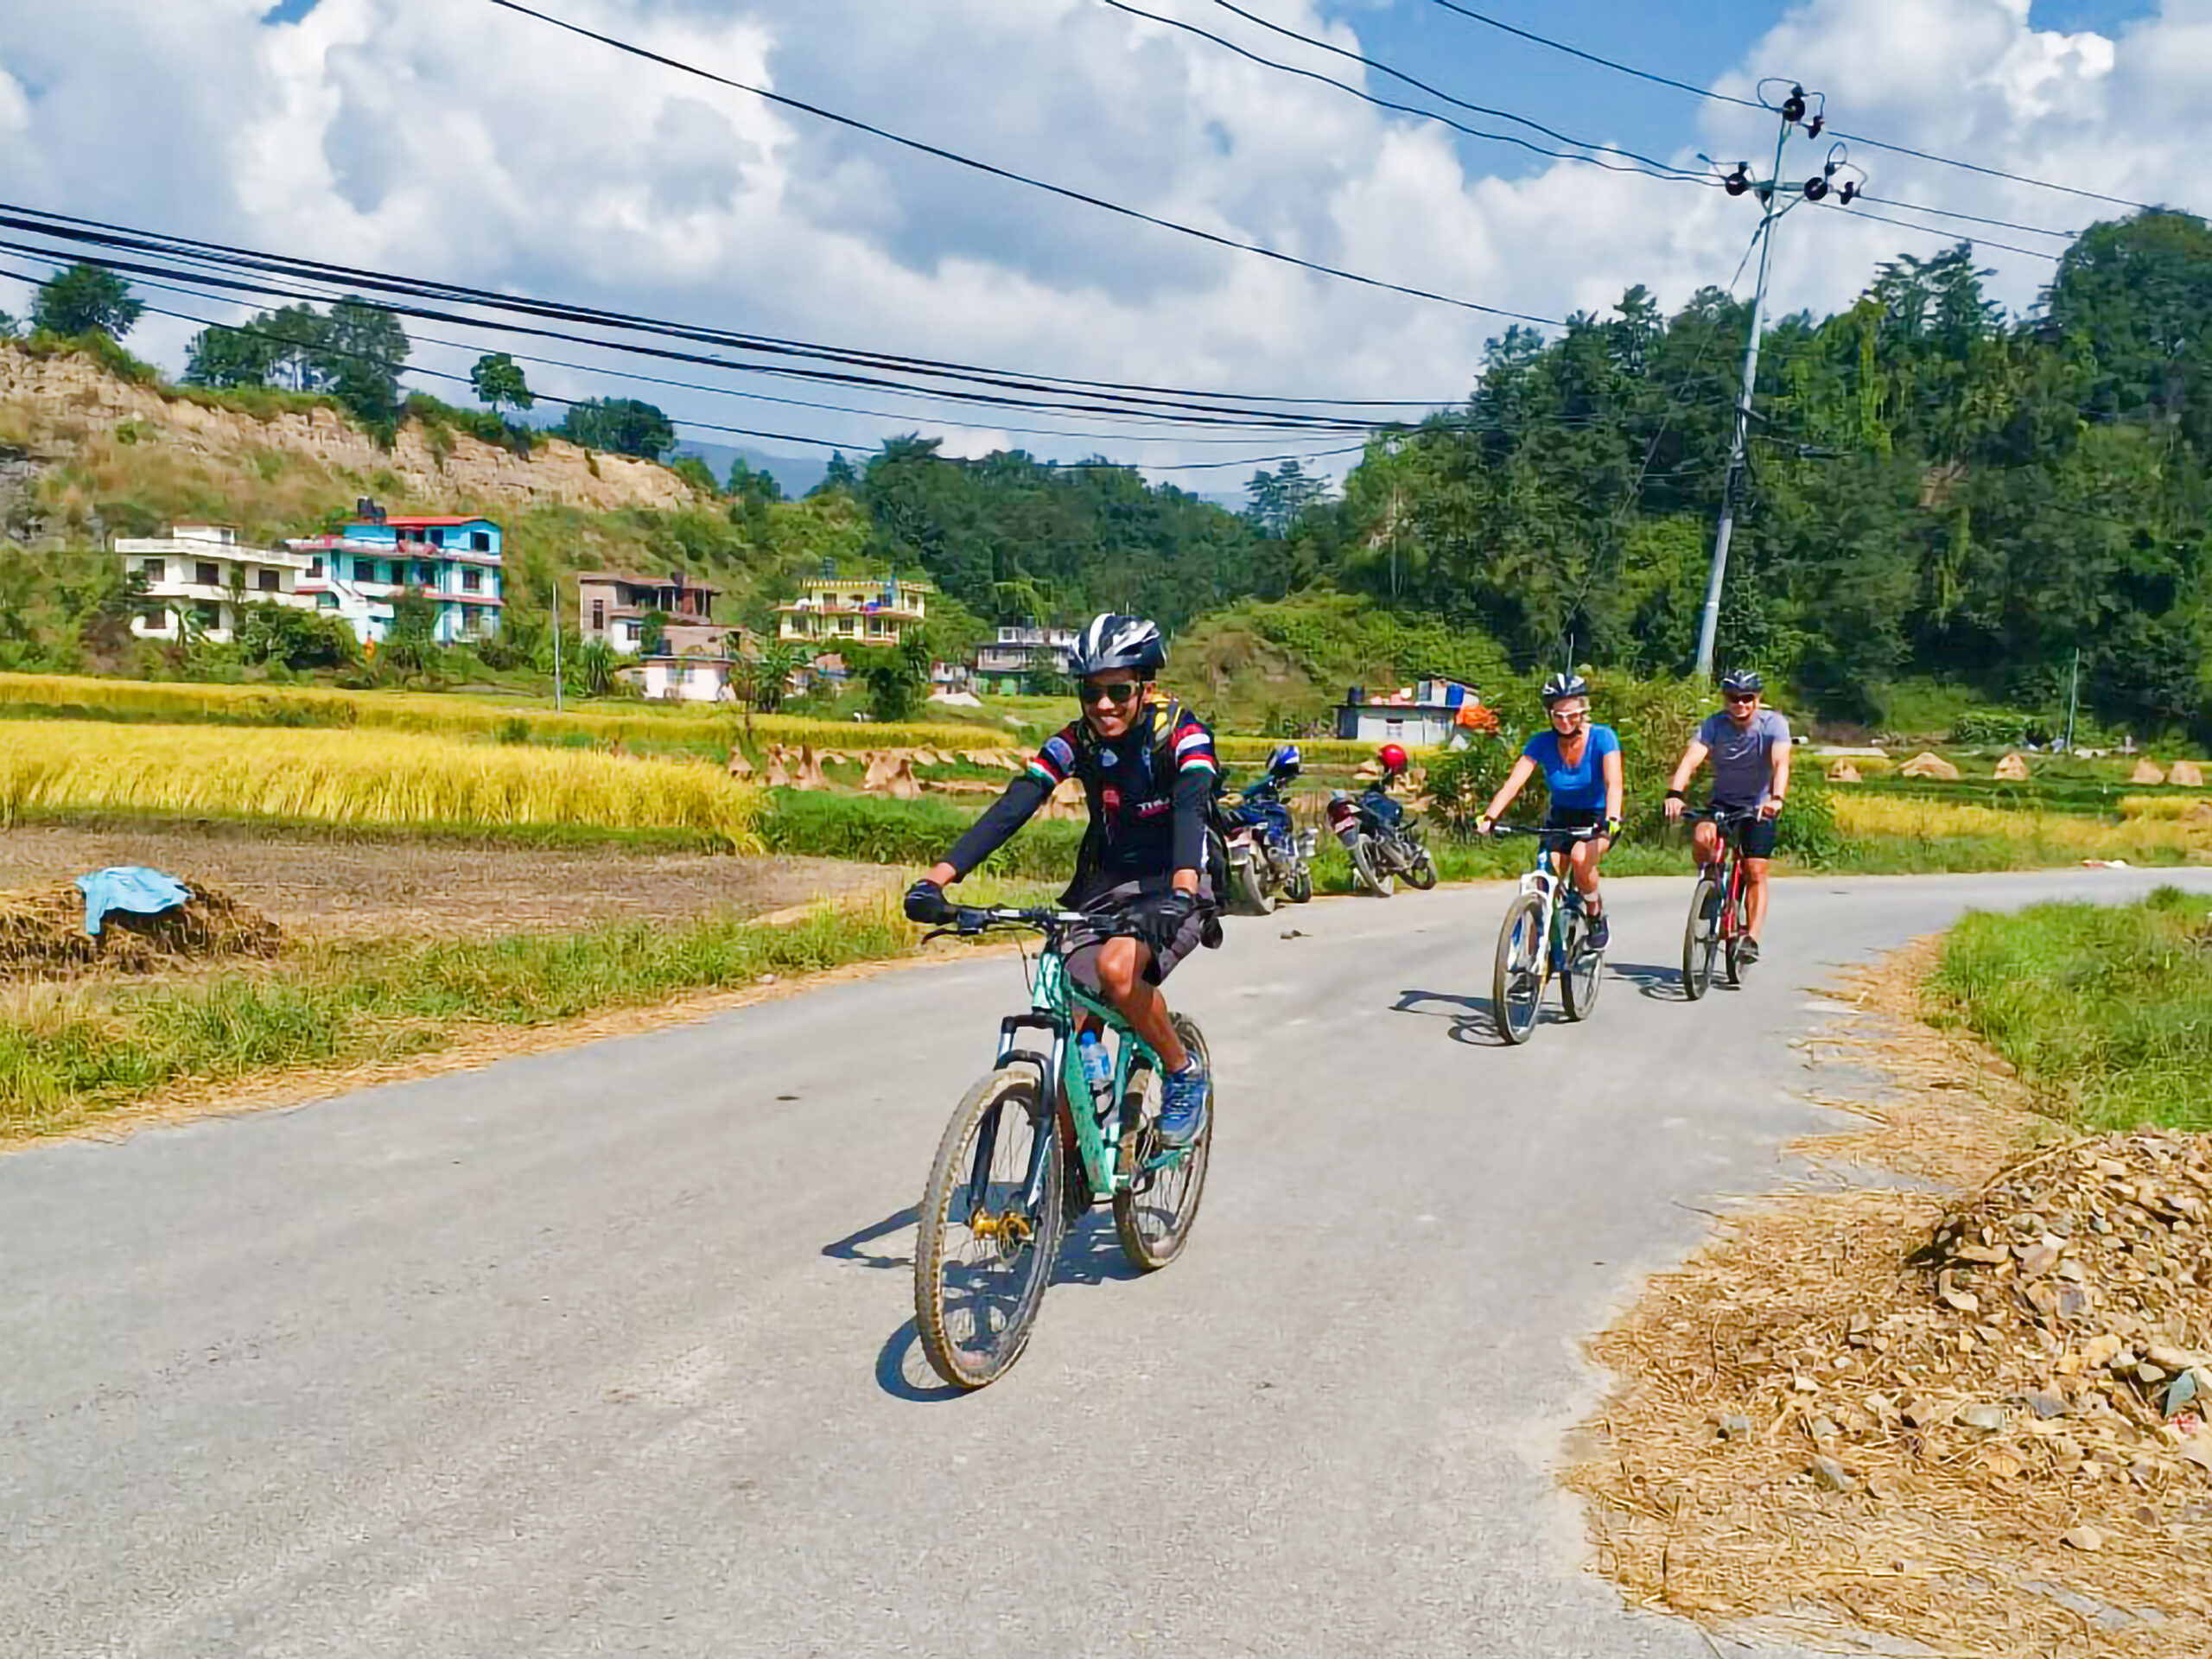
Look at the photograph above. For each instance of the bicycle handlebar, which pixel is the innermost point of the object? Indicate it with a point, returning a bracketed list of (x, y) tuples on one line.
[(969, 920), (1587, 832)]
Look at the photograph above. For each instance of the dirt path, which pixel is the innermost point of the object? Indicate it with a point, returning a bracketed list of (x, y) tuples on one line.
[(328, 889)]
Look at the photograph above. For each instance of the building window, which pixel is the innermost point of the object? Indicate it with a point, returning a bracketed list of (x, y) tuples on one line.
[(437, 538), (1393, 729), (154, 570), (158, 622), (599, 616), (479, 541), (365, 569), (471, 582), (326, 601), (207, 574), (266, 580), (633, 631), (314, 568), (426, 575), (209, 613)]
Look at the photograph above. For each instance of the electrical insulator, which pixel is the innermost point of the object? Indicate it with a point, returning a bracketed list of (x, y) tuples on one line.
[(1816, 187), (1819, 122), (1850, 189), (1737, 182), (1793, 107)]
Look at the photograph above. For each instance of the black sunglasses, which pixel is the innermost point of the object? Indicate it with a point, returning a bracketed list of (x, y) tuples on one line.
[(1117, 693), (1743, 696)]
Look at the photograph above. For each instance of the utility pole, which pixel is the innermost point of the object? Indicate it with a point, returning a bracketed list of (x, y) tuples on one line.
[(1770, 191), (556, 642), (2073, 688)]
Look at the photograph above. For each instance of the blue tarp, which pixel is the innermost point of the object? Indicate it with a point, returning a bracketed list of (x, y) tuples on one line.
[(129, 887)]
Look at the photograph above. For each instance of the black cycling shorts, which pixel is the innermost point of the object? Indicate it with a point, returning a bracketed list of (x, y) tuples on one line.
[(1755, 837)]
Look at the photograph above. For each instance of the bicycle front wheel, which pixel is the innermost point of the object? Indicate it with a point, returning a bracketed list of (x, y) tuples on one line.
[(1154, 1209), (1367, 864), (984, 1250), (1739, 930), (1700, 938), (1517, 983), (1586, 972), (1421, 873)]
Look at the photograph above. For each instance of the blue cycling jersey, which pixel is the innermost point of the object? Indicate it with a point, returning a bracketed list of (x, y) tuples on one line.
[(1582, 785)]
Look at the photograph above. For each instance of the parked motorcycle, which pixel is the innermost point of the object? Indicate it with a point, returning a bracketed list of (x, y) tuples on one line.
[(1384, 839), (1268, 857)]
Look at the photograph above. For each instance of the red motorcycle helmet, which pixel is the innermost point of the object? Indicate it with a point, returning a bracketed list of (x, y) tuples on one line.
[(1393, 759)]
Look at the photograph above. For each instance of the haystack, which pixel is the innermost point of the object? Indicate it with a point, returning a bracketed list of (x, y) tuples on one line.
[(2186, 773), (2012, 769), (2147, 772), (809, 775), (1844, 772), (879, 768), (901, 783), (739, 767), (42, 934), (1929, 765), (775, 776), (928, 757)]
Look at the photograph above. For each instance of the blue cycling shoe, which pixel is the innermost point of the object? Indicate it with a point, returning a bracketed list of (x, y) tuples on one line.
[(1184, 1098)]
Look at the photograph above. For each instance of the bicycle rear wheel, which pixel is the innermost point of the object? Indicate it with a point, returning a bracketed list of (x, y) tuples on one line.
[(1517, 982), (1585, 971), (1154, 1213), (1700, 938), (984, 1256), (1421, 873)]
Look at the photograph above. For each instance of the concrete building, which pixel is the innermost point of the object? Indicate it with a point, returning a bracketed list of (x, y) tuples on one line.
[(832, 611), (1429, 714), (198, 574), (361, 569), (1005, 663), (612, 607)]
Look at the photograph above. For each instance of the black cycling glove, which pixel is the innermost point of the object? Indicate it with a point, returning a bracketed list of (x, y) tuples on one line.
[(1161, 920), (926, 903)]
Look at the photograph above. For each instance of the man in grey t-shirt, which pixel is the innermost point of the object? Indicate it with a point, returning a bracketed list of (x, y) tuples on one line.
[(1749, 745)]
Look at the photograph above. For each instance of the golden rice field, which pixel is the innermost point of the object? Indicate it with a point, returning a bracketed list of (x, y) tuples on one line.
[(444, 715), (1868, 816), (388, 779)]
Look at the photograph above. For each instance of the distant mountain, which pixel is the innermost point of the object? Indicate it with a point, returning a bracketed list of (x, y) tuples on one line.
[(797, 474)]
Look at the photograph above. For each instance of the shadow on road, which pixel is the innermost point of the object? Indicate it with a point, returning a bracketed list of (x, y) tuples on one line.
[(1660, 984), (902, 1371), (847, 1249), (1474, 1020)]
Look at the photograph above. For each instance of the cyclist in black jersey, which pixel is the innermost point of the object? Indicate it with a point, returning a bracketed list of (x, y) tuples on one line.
[(1148, 773)]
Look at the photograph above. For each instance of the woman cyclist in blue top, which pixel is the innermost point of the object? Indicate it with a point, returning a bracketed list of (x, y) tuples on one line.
[(1581, 765)]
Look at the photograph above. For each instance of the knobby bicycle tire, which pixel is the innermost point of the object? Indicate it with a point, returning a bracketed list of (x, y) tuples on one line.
[(1585, 971), (1370, 873), (1013, 1089), (1700, 938), (1150, 1251), (1518, 938)]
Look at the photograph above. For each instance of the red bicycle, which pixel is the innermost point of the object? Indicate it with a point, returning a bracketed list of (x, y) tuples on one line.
[(1719, 918)]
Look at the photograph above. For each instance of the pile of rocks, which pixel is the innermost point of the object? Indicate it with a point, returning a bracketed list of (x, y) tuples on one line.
[(2060, 1330)]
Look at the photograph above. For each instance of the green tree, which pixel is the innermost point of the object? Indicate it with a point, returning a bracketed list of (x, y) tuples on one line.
[(652, 633), (897, 677), (410, 641), (269, 633), (498, 382), (622, 426), (87, 299), (222, 358), (10, 328), (358, 358)]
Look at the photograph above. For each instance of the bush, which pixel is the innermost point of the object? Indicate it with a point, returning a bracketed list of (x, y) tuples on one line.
[(912, 833)]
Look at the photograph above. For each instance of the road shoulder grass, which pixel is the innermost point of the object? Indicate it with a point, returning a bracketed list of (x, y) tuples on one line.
[(98, 1054), (2105, 1011)]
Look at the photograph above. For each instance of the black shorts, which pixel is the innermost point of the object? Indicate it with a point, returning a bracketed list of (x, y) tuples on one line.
[(1573, 818), (1080, 946), (1755, 837)]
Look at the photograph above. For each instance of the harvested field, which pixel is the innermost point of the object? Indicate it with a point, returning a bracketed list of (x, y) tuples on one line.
[(320, 889), (1965, 1422), (42, 935)]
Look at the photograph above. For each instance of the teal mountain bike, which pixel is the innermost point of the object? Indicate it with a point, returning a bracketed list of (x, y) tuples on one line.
[(1030, 1149), (1545, 936)]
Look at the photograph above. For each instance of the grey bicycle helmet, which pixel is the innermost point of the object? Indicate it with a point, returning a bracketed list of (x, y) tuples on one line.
[(1561, 687), (1108, 643), (1742, 681)]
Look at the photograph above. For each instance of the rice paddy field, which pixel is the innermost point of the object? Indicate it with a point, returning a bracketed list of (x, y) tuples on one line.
[(382, 779)]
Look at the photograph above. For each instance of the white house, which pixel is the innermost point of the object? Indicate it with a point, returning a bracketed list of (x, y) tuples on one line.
[(1430, 714), (199, 571), (693, 678)]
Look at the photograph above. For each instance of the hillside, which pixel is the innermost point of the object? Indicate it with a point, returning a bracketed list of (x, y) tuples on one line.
[(85, 453)]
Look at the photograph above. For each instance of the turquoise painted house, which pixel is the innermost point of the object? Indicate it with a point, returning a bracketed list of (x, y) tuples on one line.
[(360, 571)]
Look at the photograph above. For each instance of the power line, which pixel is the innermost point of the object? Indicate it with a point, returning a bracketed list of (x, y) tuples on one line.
[(1062, 191), (1545, 40), (738, 431), (65, 227), (1666, 170)]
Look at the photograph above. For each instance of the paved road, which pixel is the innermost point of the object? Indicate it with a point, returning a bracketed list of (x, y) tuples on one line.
[(609, 1352)]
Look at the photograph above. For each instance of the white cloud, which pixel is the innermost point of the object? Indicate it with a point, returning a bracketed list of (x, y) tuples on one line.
[(463, 141)]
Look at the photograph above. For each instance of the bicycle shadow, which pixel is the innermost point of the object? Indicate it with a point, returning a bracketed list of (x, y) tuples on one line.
[(1090, 1254), (847, 1249), (1660, 984), (1475, 1023)]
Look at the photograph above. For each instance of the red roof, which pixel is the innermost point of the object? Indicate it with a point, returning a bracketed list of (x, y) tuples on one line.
[(423, 523)]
